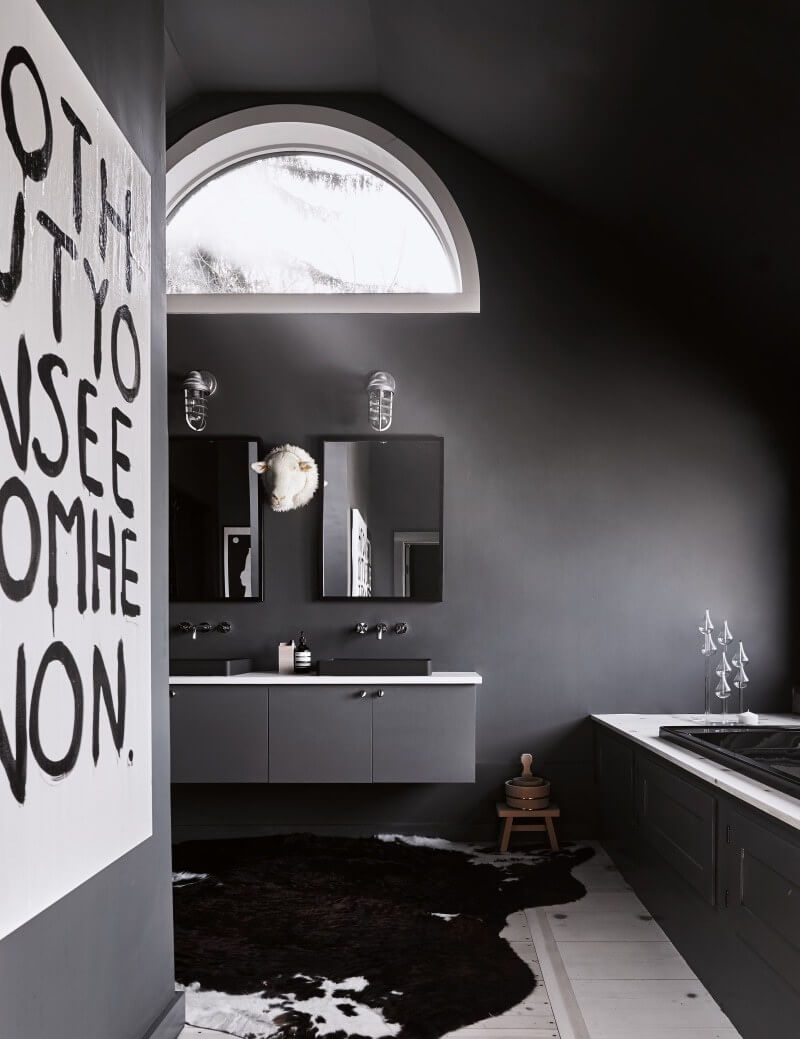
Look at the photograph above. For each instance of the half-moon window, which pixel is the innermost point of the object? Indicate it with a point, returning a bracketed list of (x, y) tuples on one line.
[(303, 223)]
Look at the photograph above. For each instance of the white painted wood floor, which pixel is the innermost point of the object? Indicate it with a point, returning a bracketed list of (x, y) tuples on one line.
[(605, 970)]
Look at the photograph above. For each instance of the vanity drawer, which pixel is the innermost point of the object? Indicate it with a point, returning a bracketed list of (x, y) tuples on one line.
[(219, 734), (424, 734), (320, 734)]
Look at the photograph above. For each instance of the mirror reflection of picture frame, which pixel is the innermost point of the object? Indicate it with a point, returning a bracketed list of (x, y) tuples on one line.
[(360, 557), (236, 566)]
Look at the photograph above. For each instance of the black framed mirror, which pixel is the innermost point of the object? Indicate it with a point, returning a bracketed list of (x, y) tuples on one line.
[(215, 520), (382, 518)]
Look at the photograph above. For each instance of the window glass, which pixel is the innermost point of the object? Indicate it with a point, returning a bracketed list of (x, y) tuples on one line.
[(303, 222)]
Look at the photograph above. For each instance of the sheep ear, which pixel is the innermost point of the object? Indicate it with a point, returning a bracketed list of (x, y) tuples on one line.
[(305, 466), (259, 467)]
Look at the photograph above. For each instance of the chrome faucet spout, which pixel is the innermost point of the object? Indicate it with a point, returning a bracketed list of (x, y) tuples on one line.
[(381, 629)]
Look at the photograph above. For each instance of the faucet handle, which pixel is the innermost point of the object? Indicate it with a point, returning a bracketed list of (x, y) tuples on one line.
[(362, 628), (381, 629), (224, 627), (185, 627), (401, 628)]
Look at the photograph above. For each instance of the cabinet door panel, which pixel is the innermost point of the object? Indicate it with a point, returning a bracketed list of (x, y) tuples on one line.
[(615, 773), (679, 821), (320, 734), (219, 734), (763, 877), (424, 734)]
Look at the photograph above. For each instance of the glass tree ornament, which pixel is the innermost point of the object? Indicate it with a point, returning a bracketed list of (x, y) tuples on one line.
[(708, 648), (723, 688), (741, 681)]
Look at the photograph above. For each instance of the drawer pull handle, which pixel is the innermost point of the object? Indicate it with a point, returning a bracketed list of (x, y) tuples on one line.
[(380, 692), (362, 694)]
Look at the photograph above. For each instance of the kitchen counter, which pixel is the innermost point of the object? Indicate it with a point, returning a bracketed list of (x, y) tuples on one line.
[(643, 729), (272, 678)]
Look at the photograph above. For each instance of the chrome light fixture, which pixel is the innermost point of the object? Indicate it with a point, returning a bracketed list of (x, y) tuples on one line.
[(381, 390), (197, 388)]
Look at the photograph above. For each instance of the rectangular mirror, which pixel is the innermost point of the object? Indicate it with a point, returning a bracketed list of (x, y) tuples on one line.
[(382, 518), (215, 550)]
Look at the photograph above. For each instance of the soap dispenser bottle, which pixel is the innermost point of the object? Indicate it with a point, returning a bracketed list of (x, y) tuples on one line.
[(302, 656)]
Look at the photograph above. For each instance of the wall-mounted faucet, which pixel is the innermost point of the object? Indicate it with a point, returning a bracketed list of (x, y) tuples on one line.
[(187, 627), (401, 628)]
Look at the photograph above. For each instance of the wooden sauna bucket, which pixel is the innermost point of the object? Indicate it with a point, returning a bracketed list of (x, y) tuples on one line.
[(527, 791)]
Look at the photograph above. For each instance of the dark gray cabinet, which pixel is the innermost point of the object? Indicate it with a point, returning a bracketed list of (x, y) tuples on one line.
[(721, 878), (678, 818), (219, 734), (320, 734), (760, 872), (424, 734)]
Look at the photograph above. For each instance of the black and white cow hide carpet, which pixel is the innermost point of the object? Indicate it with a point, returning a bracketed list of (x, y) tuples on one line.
[(304, 937)]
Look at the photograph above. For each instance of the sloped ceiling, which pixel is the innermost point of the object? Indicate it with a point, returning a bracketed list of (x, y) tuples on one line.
[(676, 122)]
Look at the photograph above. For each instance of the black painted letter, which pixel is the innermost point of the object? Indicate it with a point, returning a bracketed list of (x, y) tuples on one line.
[(86, 433), (60, 241), (10, 279), (79, 133), (107, 212), (34, 164), (119, 460), (60, 767), (102, 687), (18, 589), (18, 438)]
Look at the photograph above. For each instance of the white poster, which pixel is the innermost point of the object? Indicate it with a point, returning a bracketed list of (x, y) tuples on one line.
[(75, 739)]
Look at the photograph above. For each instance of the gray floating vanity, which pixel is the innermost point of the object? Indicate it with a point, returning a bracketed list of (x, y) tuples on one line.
[(269, 728)]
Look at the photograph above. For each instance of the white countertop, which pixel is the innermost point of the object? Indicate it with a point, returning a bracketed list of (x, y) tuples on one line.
[(643, 729), (273, 678)]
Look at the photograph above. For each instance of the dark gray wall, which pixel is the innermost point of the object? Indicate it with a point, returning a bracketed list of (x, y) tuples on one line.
[(98, 964), (613, 466)]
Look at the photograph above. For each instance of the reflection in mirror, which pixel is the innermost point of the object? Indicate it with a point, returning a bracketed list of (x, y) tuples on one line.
[(215, 550), (382, 518)]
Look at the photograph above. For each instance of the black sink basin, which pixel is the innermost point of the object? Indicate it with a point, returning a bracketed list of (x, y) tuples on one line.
[(375, 666), (210, 667)]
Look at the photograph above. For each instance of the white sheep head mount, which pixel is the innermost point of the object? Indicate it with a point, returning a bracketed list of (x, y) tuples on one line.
[(293, 476)]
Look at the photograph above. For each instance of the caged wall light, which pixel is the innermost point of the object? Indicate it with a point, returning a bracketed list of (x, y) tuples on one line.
[(381, 389), (197, 388)]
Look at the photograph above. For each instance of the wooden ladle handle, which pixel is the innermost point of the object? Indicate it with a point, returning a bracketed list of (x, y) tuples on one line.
[(527, 760)]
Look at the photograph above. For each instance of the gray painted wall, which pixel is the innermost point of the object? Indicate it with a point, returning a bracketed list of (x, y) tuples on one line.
[(613, 466), (98, 964)]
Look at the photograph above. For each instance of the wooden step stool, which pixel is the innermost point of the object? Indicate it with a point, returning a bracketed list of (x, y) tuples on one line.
[(509, 815)]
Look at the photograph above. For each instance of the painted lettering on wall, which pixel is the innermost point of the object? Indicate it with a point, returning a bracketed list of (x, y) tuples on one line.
[(75, 771)]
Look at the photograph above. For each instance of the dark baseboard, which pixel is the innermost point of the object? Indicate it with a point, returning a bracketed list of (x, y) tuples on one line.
[(170, 1022)]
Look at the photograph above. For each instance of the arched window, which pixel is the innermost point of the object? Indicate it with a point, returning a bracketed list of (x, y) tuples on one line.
[(294, 208)]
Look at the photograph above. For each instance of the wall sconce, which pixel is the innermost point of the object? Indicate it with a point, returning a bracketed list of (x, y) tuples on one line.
[(381, 390), (197, 388)]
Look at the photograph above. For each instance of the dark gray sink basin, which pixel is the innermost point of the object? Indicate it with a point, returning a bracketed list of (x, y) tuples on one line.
[(210, 667), (375, 666)]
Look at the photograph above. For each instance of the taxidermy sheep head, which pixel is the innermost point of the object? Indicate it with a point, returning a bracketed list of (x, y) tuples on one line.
[(293, 477)]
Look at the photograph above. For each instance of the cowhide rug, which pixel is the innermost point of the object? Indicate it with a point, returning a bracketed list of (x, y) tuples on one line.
[(304, 937)]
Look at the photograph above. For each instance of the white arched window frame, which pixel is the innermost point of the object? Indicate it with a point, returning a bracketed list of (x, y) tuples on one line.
[(278, 129)]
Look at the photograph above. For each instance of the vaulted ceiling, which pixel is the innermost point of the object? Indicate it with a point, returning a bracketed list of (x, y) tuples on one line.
[(676, 122)]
